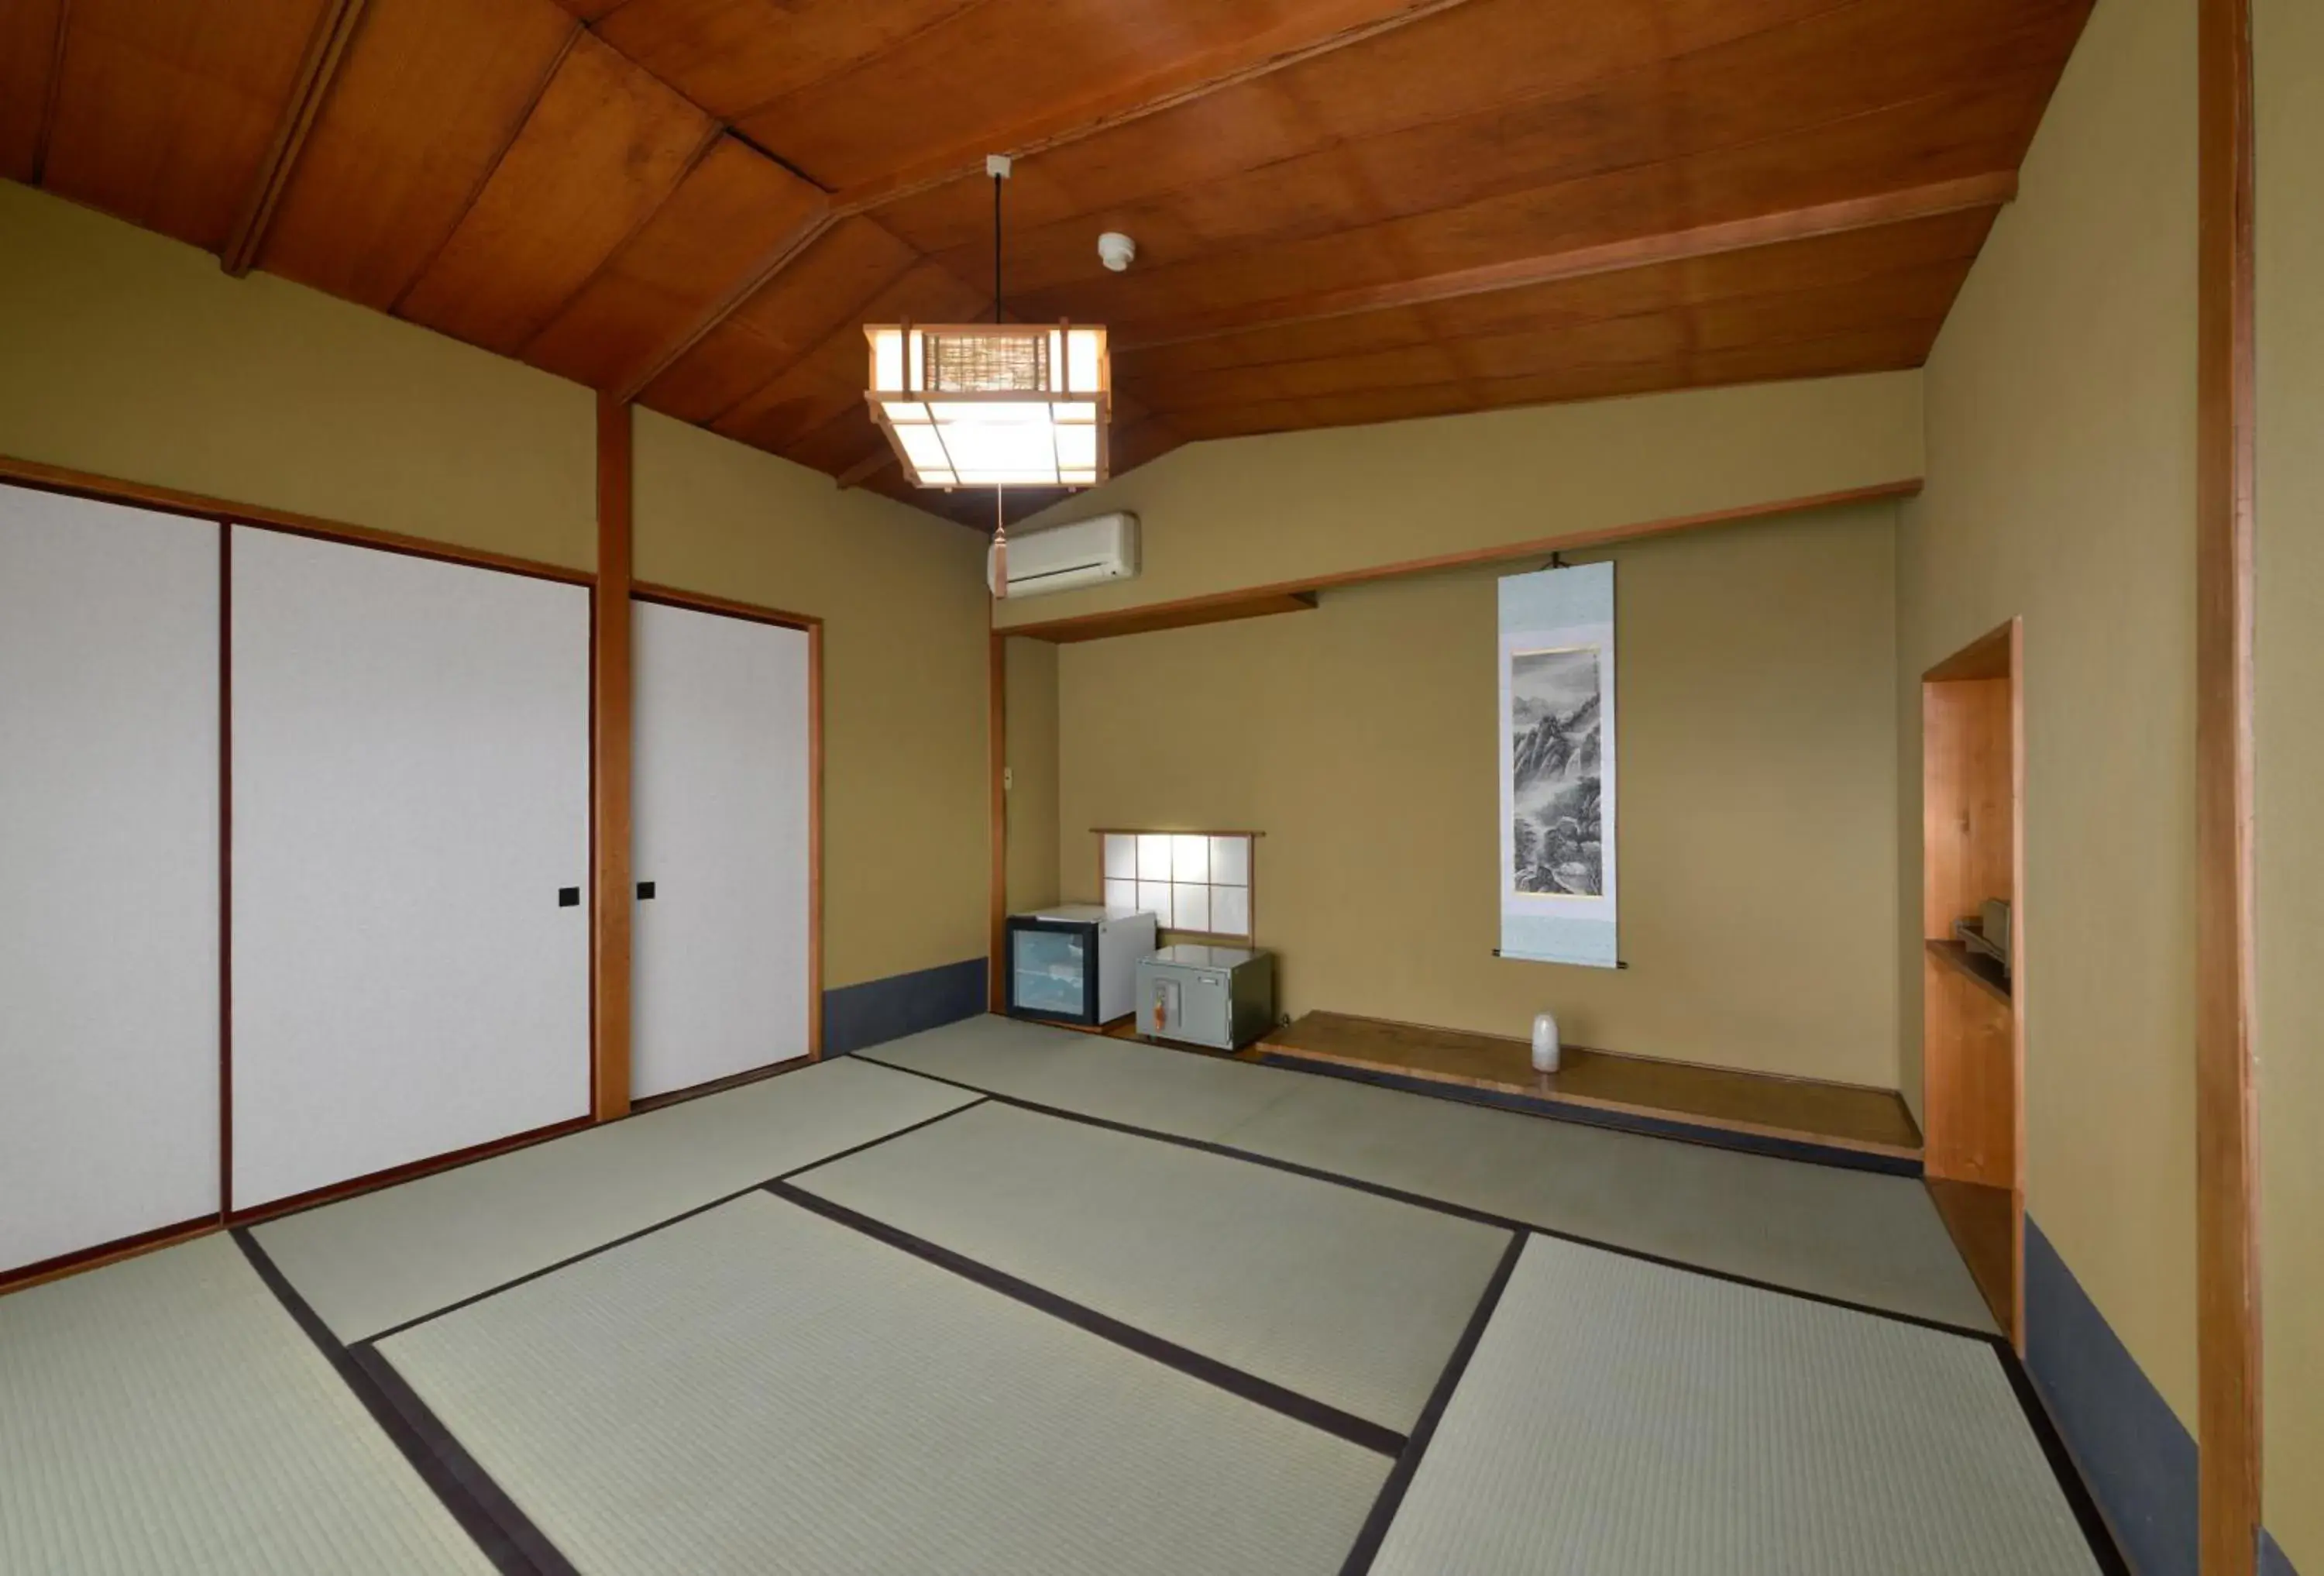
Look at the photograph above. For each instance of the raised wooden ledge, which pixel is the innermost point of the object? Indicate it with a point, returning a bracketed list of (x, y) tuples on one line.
[(1298, 595), (1839, 1116)]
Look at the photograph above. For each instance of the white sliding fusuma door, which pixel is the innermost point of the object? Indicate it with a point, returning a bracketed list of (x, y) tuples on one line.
[(108, 874), (410, 858), (723, 756)]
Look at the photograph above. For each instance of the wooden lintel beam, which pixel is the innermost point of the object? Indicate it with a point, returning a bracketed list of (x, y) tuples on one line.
[(1180, 83), (1286, 595), (335, 28), (754, 279), (1832, 218)]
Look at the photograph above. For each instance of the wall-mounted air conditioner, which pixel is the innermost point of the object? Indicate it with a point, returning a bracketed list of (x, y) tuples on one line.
[(1085, 553)]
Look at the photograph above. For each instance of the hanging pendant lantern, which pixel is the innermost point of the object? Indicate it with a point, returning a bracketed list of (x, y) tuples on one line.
[(993, 404)]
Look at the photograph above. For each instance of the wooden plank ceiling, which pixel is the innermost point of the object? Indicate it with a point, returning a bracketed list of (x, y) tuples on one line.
[(1346, 210)]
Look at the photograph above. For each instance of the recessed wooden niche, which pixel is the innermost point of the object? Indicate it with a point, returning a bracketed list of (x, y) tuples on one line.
[(1973, 1032)]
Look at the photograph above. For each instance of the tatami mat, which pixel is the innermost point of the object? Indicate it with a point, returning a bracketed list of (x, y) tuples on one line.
[(165, 1416), (1855, 1235), (1860, 1236), (1178, 1092), (758, 1389), (374, 1261), (1345, 1297), (1621, 1419)]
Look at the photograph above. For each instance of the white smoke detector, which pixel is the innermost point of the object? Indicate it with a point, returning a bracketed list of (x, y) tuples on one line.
[(1116, 250)]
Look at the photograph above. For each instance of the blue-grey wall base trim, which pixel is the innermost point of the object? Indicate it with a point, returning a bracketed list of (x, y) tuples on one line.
[(2136, 1456), (877, 1010), (2273, 1560)]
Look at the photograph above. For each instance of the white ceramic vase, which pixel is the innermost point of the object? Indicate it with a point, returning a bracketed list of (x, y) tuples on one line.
[(1546, 1045)]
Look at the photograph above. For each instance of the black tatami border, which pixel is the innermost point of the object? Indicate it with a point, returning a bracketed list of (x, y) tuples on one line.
[(1318, 1415), (1444, 1207), (2069, 1477), (648, 1230), (1390, 1499), (518, 1548), (483, 1509), (507, 1537)]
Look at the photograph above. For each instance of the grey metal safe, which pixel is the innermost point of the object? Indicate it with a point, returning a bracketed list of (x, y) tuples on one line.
[(1222, 997)]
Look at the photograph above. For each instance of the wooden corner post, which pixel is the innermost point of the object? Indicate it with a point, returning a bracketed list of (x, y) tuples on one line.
[(610, 729), (997, 767), (2227, 1127)]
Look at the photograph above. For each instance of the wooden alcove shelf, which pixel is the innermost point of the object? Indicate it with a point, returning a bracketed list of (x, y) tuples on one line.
[(1982, 971), (1972, 1025)]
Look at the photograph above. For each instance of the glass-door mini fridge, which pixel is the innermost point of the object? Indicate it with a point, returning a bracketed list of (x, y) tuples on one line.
[(1076, 964)]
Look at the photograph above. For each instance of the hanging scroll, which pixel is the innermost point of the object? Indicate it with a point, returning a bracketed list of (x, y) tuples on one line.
[(1558, 883)]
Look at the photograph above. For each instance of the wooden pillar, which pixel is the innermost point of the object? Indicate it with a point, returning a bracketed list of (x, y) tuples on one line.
[(2227, 1135), (610, 729), (997, 764)]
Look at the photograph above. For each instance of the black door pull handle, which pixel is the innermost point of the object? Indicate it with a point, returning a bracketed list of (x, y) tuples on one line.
[(645, 891), (568, 896)]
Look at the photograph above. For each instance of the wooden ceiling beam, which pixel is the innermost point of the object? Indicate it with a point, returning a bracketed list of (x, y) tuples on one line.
[(50, 91), (490, 168), (335, 28), (1834, 218), (1180, 84), (754, 279)]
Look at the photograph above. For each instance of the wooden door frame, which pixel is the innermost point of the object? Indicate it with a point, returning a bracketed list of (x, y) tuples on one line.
[(810, 625), (223, 515), (611, 664)]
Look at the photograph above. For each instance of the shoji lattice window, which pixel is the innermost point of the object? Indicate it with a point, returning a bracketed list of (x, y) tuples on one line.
[(1198, 882)]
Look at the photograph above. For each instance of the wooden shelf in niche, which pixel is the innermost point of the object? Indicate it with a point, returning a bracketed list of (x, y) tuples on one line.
[(1972, 1032), (1982, 971)]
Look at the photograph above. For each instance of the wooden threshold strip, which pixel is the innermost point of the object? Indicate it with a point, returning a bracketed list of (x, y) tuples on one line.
[(23, 1277), (1872, 1121)]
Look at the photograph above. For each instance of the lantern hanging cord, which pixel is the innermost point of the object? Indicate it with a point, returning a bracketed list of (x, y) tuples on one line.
[(997, 165)]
